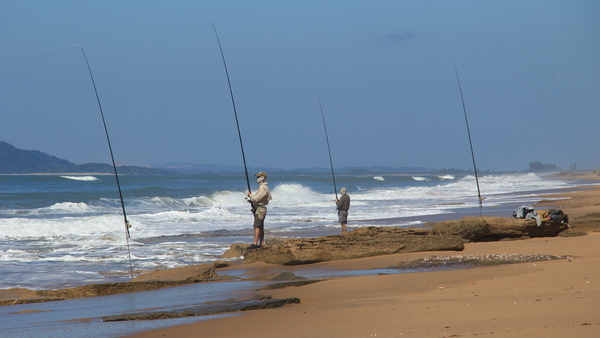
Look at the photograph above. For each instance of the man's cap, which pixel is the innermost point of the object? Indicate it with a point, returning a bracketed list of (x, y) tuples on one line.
[(343, 190), (263, 174)]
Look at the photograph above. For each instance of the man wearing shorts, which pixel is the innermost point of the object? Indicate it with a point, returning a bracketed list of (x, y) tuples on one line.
[(259, 202), (343, 204)]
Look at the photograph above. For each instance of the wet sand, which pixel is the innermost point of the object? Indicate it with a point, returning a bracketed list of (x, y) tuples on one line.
[(558, 298)]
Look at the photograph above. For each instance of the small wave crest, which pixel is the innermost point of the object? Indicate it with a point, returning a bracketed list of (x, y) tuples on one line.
[(219, 198), (61, 229), (227, 198), (169, 217), (295, 194), (71, 207), (81, 178), (167, 202), (378, 178)]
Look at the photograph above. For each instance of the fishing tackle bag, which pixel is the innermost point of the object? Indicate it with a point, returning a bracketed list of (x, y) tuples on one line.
[(557, 216)]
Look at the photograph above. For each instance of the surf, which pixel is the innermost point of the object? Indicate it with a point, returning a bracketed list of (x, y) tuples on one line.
[(81, 178)]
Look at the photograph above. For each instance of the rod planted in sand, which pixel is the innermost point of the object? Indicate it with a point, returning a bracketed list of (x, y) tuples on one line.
[(127, 225), (234, 110), (470, 142), (328, 148)]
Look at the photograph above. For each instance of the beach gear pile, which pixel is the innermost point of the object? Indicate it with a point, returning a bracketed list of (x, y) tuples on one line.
[(528, 212)]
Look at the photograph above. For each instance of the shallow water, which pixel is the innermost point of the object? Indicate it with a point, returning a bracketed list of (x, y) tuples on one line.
[(83, 317)]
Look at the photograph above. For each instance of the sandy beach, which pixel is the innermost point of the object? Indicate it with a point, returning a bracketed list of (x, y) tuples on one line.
[(554, 298), (557, 298)]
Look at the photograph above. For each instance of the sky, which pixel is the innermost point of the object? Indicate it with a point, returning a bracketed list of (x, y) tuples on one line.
[(384, 72)]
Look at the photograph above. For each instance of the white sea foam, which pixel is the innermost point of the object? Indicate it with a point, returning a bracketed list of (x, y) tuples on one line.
[(446, 177), (81, 178), (59, 228), (229, 198), (419, 178), (378, 178), (71, 207), (296, 194)]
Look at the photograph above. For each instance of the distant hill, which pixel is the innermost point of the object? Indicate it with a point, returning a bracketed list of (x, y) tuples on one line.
[(18, 161)]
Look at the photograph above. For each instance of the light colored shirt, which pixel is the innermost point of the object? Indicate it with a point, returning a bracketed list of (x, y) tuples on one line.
[(262, 196)]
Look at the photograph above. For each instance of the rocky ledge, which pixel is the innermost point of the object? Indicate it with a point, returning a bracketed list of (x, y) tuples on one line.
[(362, 242), (375, 241), (497, 228)]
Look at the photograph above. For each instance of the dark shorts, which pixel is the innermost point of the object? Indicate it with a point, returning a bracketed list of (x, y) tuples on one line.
[(343, 216), (259, 217)]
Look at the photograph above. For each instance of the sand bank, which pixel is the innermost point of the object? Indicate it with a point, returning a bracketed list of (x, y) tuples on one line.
[(545, 299), (559, 298)]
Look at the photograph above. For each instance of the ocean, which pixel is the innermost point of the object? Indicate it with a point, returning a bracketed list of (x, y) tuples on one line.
[(65, 231)]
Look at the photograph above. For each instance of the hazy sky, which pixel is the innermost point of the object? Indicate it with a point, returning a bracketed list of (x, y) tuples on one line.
[(384, 70)]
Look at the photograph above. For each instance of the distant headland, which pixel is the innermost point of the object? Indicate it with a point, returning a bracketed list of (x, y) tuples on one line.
[(31, 162)]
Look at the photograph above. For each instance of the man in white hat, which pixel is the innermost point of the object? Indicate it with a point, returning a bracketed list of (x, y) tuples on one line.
[(259, 203), (343, 204)]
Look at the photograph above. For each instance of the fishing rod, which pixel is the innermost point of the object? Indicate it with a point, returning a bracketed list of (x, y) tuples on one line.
[(127, 225), (234, 110), (470, 142), (328, 148)]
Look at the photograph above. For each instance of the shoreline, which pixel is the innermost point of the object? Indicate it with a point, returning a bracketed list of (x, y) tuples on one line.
[(543, 299), (413, 304), (557, 298)]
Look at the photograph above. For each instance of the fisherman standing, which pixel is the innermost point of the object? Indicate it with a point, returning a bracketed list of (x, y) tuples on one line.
[(343, 204), (259, 203)]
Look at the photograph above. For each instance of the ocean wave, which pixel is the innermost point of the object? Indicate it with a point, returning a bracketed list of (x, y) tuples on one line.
[(229, 198), (165, 202), (81, 178), (214, 214), (62, 209), (61, 228), (298, 194), (70, 207)]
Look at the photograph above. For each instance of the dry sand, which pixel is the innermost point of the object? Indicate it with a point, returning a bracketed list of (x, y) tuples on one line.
[(559, 298)]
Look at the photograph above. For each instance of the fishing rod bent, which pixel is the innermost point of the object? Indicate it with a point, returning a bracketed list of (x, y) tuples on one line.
[(328, 148), (470, 142), (234, 110), (127, 225)]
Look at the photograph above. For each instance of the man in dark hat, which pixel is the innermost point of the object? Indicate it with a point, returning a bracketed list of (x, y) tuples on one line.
[(259, 203)]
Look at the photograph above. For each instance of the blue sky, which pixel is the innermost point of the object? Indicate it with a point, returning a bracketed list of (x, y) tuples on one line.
[(384, 70)]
